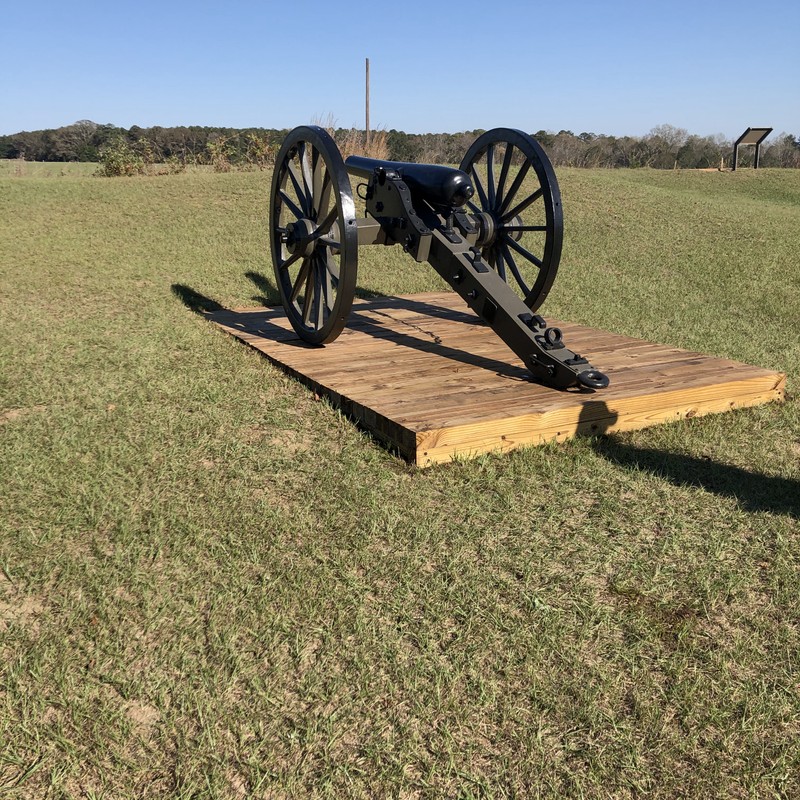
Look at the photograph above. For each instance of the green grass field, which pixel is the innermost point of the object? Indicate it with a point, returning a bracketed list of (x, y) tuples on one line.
[(214, 586)]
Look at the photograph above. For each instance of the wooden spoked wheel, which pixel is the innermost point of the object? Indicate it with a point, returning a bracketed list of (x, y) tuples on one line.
[(313, 234), (518, 206)]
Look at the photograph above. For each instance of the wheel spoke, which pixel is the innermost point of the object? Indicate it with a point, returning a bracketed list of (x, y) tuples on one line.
[(523, 252), (523, 228), (500, 265), (332, 267), (509, 258), (490, 174), (479, 187), (501, 184), (324, 195), (328, 242), (318, 310), (327, 283), (523, 171), (302, 275), (301, 194), (520, 207), (317, 175), (305, 168), (473, 208), (290, 203), (308, 298), (289, 261), (325, 225)]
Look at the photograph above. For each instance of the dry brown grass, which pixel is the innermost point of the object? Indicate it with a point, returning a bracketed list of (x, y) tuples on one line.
[(353, 141)]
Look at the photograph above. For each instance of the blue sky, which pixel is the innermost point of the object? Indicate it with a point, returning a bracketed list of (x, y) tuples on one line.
[(613, 67)]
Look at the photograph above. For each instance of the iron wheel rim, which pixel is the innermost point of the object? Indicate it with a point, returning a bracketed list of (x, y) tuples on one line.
[(521, 198), (313, 234)]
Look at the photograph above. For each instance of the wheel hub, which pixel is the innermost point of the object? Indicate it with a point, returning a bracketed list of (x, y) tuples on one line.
[(489, 225), (487, 228), (300, 237)]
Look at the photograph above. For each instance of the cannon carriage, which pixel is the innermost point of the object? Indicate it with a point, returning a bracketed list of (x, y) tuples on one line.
[(492, 228)]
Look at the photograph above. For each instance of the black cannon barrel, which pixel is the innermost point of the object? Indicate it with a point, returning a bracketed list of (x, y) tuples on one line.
[(438, 185)]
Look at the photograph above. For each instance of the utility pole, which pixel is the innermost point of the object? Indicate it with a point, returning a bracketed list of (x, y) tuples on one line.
[(368, 104)]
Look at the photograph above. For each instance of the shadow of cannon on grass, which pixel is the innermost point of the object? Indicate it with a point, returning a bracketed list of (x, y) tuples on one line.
[(269, 292), (195, 301), (753, 491)]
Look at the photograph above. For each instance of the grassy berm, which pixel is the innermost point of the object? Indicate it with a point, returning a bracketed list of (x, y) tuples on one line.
[(213, 585)]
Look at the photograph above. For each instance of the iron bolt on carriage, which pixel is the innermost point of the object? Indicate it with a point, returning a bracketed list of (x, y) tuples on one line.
[(492, 229)]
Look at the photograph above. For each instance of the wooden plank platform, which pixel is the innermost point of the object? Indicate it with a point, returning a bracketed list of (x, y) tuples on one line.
[(427, 376)]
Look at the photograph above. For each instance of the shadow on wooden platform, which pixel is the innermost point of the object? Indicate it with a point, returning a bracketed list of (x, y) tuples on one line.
[(424, 374)]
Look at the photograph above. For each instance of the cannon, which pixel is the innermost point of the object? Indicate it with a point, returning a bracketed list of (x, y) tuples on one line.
[(492, 228)]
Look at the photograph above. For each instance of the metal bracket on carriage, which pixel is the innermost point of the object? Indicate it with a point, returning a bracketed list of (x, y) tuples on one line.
[(464, 223), (557, 365), (388, 200)]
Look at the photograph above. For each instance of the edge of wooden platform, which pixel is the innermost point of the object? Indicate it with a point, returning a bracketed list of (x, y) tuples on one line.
[(595, 417)]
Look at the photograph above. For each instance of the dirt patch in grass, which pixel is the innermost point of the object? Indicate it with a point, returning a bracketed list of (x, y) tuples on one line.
[(14, 414), (16, 608), (143, 717), (290, 443)]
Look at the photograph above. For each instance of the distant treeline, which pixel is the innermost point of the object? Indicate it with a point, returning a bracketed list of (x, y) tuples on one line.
[(665, 147)]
